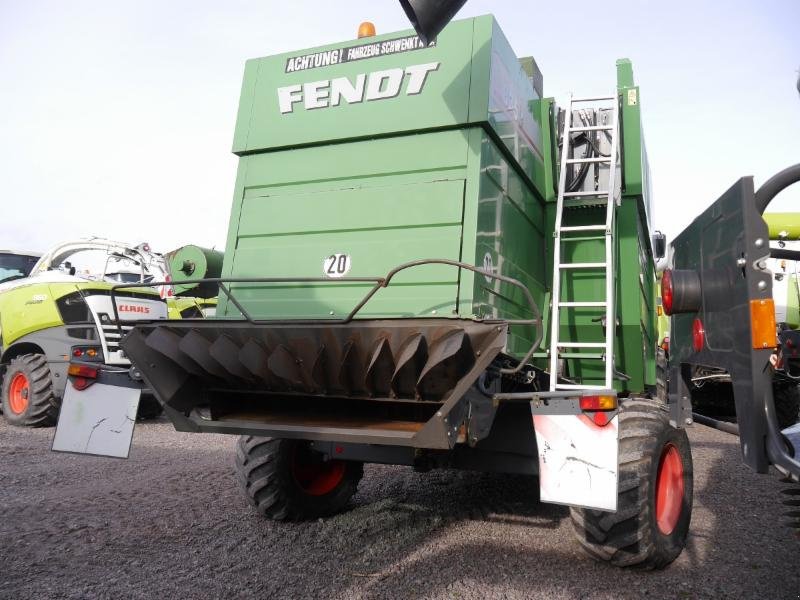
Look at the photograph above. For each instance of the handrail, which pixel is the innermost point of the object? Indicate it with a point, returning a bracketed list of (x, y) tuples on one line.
[(379, 282)]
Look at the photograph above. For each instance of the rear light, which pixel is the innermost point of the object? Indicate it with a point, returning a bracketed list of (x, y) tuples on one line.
[(698, 335), (680, 291), (92, 353), (596, 405), (666, 291), (82, 371), (82, 376), (606, 402), (665, 344)]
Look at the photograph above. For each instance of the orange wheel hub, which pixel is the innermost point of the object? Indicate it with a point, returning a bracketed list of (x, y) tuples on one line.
[(315, 476), (18, 392), (669, 490)]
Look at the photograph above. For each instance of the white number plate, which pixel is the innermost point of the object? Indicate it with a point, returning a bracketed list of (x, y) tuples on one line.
[(577, 461), (98, 420)]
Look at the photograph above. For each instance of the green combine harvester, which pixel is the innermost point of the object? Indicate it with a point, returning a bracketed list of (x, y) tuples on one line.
[(429, 263)]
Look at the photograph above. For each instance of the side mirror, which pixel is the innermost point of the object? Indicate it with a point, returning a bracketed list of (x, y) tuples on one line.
[(659, 245), (429, 17)]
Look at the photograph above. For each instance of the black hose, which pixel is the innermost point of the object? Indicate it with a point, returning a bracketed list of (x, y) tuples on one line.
[(731, 428), (775, 185)]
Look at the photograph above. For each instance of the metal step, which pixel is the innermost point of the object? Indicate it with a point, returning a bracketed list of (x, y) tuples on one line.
[(592, 128), (582, 304), (582, 266), (594, 99), (594, 159), (582, 345), (584, 228), (584, 194)]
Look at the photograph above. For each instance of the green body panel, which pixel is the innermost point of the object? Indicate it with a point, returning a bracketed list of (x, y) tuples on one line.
[(785, 226), (463, 168), (30, 308)]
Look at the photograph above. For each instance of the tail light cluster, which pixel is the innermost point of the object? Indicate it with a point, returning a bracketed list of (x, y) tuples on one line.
[(93, 353), (599, 408), (82, 376)]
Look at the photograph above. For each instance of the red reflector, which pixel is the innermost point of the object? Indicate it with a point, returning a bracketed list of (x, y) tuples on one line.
[(81, 383), (82, 371), (601, 419), (598, 402), (666, 291), (698, 335)]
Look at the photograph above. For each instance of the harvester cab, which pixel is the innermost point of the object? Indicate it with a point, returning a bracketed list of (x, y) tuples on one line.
[(16, 265), (430, 264)]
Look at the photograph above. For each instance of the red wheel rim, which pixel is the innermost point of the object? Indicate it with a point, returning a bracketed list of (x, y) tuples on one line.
[(315, 476), (18, 392), (669, 490)]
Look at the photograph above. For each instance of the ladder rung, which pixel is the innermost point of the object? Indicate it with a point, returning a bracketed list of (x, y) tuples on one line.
[(582, 304), (595, 265), (592, 128), (584, 228), (594, 159), (593, 99), (594, 193), (581, 356), (571, 386), (581, 344)]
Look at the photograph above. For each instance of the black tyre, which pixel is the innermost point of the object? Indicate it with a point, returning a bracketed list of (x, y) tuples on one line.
[(655, 494), (662, 373), (28, 398), (149, 408), (288, 481), (786, 395)]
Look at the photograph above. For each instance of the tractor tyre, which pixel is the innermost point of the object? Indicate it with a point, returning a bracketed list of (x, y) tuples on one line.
[(286, 480), (786, 395), (27, 396), (654, 505), (662, 373), (149, 408)]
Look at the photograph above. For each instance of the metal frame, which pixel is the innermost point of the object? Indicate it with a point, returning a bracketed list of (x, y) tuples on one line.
[(379, 282)]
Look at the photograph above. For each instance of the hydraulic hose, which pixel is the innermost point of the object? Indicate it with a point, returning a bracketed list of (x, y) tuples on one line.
[(775, 185)]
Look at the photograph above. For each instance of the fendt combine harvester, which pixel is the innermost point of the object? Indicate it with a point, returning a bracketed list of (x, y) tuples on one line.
[(430, 264)]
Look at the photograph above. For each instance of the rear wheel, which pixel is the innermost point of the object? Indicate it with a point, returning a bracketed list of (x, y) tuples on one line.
[(149, 408), (786, 395), (27, 396), (655, 489), (288, 480)]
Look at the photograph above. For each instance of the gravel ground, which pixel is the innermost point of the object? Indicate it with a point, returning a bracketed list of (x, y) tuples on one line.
[(171, 523)]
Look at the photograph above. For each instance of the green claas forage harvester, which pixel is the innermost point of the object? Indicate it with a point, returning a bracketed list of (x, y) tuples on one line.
[(431, 264)]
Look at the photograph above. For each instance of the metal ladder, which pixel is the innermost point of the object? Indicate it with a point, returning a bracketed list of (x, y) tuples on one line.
[(608, 197)]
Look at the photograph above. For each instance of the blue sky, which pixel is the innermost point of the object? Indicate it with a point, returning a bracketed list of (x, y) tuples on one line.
[(117, 117)]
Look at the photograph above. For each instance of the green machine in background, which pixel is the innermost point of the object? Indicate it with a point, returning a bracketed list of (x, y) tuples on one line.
[(189, 263), (407, 219)]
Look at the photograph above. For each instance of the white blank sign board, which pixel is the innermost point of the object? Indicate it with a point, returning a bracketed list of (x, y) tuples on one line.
[(98, 420)]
